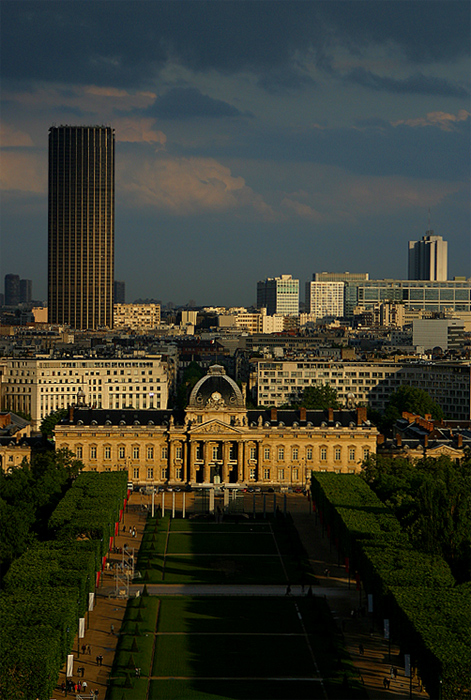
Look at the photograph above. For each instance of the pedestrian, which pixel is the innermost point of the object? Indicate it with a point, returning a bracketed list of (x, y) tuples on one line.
[(112, 629), (84, 648), (134, 532), (84, 687), (63, 688), (97, 660), (124, 529), (288, 590), (361, 649), (130, 530), (395, 673), (385, 682), (79, 687), (89, 649), (391, 672)]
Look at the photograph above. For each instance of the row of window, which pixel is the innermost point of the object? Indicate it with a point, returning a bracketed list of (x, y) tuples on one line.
[(216, 453)]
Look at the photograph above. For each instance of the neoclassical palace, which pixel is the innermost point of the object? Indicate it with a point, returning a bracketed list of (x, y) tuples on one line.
[(217, 440)]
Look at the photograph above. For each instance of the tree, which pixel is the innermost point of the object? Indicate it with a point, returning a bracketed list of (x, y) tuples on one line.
[(191, 376), (49, 422), (413, 400), (319, 398)]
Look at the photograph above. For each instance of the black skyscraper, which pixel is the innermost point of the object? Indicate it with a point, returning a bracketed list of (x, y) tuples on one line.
[(81, 226)]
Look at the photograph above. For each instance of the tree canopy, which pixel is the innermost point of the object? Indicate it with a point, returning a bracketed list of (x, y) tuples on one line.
[(319, 398), (432, 500), (413, 400), (49, 422)]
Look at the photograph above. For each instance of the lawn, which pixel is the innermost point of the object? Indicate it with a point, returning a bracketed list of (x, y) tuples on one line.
[(220, 542)]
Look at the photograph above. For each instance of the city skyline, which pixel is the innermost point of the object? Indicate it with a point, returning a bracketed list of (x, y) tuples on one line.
[(252, 139)]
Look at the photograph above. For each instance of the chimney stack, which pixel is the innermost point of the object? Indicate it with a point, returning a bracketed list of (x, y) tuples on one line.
[(302, 413), (331, 415), (398, 440), (361, 415), (459, 444), (380, 439), (273, 415)]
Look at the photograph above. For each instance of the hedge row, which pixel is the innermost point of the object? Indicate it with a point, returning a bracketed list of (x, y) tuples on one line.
[(409, 587), (46, 589)]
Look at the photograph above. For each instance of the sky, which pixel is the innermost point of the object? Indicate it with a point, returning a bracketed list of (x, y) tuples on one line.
[(253, 138)]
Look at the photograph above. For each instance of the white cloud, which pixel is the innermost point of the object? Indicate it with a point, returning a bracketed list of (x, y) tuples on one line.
[(444, 120), (10, 136), (188, 186)]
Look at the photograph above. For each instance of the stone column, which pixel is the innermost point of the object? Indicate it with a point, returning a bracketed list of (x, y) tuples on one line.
[(192, 462), (225, 462), (240, 461), (206, 471), (171, 460), (185, 462)]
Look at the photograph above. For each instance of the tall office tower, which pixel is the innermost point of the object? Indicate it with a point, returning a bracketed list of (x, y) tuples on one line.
[(119, 292), (325, 299), (12, 290), (279, 295), (428, 258), (81, 226), (26, 291)]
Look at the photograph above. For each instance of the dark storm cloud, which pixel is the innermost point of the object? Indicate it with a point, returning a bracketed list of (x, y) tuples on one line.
[(188, 103), (124, 43), (415, 84)]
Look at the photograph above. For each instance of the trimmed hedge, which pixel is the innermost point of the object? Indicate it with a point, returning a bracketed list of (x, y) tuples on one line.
[(46, 589), (429, 613)]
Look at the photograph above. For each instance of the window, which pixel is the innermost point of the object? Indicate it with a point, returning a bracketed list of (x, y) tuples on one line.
[(281, 453), (295, 474), (266, 473), (309, 453), (215, 451), (121, 452), (79, 453), (93, 452), (366, 452), (281, 474), (163, 474), (178, 473), (337, 454), (150, 453), (323, 454), (107, 452), (253, 453), (253, 474), (178, 452), (165, 452), (135, 473), (294, 453), (135, 452), (351, 454), (150, 472), (266, 453)]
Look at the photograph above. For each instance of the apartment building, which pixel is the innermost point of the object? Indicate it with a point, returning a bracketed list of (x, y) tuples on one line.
[(137, 317), (367, 383), (39, 386)]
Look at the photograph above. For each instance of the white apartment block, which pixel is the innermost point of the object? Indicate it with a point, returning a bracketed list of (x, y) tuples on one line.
[(136, 317), (367, 383), (325, 299), (40, 386)]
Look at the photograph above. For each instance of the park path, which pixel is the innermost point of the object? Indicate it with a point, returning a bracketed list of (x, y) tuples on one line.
[(373, 664)]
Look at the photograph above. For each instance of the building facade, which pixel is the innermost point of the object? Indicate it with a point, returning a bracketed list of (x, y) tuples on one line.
[(137, 317), (367, 383), (39, 386), (81, 226), (325, 299), (216, 440), (279, 295), (119, 292), (428, 258), (429, 296), (12, 290)]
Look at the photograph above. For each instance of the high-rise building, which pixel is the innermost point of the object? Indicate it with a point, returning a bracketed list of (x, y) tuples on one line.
[(81, 226), (26, 291), (12, 290), (279, 295), (119, 292), (428, 258), (325, 299)]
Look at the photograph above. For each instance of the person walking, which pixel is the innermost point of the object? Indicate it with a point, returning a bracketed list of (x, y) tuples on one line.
[(112, 629)]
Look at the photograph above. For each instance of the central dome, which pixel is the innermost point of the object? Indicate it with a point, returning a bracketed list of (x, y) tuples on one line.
[(216, 390)]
